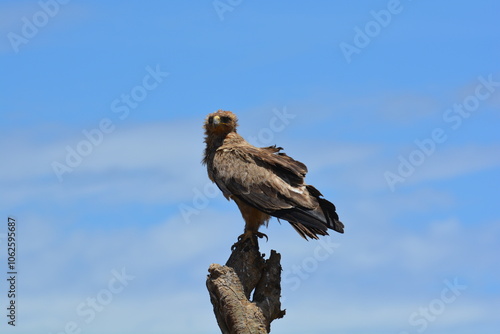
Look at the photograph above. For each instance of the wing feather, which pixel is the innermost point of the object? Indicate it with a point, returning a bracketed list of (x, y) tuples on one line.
[(273, 182)]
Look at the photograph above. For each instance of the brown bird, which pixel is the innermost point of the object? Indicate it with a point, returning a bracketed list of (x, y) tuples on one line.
[(264, 182)]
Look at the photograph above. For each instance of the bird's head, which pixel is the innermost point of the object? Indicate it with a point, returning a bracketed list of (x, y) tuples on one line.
[(221, 123)]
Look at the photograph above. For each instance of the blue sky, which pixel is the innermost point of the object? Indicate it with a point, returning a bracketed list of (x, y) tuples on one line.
[(393, 106)]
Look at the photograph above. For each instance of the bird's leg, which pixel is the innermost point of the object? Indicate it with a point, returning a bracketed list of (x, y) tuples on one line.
[(254, 219), (249, 235)]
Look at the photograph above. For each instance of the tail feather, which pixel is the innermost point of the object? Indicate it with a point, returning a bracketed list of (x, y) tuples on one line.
[(311, 223), (306, 231), (332, 218)]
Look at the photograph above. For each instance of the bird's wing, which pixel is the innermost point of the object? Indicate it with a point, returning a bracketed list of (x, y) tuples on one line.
[(273, 183)]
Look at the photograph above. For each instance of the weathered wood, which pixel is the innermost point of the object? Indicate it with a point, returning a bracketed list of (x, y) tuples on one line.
[(231, 286)]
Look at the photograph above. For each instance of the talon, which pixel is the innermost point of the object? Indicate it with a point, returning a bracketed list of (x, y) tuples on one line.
[(261, 235), (249, 235)]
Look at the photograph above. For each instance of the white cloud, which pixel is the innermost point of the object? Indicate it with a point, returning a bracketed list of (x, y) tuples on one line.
[(457, 161), (155, 162), (383, 276), (169, 261), (406, 108)]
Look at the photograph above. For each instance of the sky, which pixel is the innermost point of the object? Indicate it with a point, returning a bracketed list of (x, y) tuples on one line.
[(392, 105)]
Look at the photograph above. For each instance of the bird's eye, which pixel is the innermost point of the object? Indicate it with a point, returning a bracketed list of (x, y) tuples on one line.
[(210, 119), (225, 119)]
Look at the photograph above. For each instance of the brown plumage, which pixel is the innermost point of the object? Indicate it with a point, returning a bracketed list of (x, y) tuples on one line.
[(264, 182)]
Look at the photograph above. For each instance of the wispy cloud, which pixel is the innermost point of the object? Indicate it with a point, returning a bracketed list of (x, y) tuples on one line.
[(141, 162), (168, 259), (458, 161)]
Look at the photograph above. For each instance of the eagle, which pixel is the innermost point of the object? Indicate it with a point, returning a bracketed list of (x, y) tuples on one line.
[(264, 182)]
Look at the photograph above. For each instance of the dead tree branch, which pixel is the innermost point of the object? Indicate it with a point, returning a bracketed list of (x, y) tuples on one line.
[(231, 286)]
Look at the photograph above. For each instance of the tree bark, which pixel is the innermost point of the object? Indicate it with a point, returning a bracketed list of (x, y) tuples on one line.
[(231, 286)]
